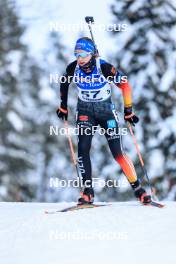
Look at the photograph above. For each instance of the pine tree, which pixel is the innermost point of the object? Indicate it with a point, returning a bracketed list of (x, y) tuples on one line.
[(22, 113), (14, 159)]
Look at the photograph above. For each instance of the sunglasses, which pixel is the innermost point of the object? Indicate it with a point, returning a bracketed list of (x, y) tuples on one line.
[(82, 54)]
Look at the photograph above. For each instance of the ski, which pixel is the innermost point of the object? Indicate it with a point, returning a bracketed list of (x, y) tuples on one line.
[(76, 208), (87, 206), (155, 204)]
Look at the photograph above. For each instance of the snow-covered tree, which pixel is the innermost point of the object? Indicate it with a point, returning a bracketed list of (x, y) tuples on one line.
[(147, 52), (13, 150), (29, 155)]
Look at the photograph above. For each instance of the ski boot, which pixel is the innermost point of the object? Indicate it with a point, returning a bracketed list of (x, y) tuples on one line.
[(140, 193), (86, 197)]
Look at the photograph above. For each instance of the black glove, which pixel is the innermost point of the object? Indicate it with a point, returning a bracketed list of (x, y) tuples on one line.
[(129, 116), (62, 113)]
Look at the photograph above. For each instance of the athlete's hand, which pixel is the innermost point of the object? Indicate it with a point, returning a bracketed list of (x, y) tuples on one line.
[(62, 113), (129, 116)]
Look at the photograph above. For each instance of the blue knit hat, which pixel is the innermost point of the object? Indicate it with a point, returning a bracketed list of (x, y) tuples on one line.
[(85, 44)]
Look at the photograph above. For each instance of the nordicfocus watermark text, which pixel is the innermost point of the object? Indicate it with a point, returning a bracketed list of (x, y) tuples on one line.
[(55, 182), (89, 235), (55, 26), (79, 78), (83, 130)]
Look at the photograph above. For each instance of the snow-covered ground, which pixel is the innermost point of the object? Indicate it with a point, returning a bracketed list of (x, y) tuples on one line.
[(124, 233)]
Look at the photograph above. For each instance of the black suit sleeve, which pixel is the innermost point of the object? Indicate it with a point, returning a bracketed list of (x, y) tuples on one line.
[(109, 71), (65, 82)]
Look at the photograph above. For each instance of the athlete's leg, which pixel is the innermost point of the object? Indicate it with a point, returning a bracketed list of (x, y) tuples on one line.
[(115, 145), (127, 167), (85, 124), (114, 138)]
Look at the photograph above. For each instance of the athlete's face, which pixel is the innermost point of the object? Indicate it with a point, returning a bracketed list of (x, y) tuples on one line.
[(82, 61)]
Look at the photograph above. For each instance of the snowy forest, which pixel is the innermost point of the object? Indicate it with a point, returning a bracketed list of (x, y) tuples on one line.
[(30, 156)]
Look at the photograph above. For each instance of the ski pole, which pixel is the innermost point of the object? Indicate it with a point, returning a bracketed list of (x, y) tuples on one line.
[(72, 151), (90, 20), (141, 159)]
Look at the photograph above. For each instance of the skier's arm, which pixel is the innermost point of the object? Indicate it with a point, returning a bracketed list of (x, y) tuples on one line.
[(66, 79), (65, 82), (120, 81), (126, 92)]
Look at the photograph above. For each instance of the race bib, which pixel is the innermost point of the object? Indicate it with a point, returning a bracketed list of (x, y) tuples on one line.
[(95, 95)]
